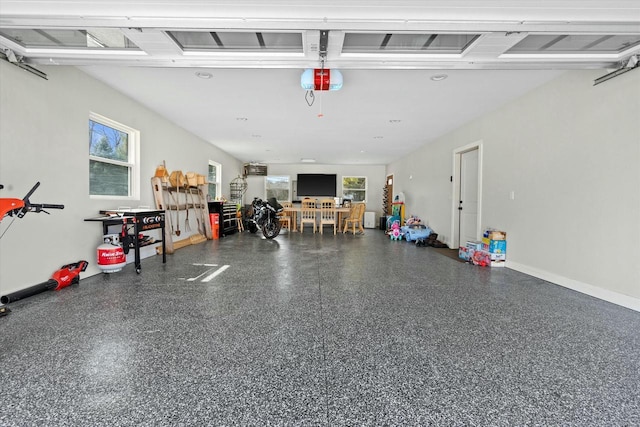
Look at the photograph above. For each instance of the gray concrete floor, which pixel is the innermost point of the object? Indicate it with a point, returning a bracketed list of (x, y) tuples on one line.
[(317, 330)]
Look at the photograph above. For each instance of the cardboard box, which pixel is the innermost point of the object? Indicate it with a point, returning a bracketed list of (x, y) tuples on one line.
[(474, 245), (494, 234), (463, 253), (494, 246), (497, 257)]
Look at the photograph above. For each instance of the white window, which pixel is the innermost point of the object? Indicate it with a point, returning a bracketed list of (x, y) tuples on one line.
[(113, 159), (278, 187), (215, 180), (354, 188)]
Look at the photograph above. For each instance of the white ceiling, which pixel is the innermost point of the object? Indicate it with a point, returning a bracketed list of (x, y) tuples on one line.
[(253, 106)]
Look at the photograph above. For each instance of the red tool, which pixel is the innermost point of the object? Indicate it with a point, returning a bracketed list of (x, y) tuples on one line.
[(11, 206), (67, 275)]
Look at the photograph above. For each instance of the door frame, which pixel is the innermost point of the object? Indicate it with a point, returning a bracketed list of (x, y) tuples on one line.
[(455, 189), (389, 193)]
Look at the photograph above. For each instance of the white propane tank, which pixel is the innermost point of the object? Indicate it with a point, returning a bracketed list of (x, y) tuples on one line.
[(111, 256)]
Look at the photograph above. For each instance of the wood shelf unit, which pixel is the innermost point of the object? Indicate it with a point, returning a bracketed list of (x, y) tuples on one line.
[(178, 202)]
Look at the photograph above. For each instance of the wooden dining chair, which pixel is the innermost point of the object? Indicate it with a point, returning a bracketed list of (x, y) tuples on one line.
[(286, 217), (363, 207), (308, 213), (240, 220), (328, 214), (355, 218)]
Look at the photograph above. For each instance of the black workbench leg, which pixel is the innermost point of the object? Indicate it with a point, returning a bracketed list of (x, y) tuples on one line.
[(136, 241), (164, 240)]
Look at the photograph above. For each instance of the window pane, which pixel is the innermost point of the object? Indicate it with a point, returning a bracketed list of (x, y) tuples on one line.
[(283, 41), (97, 38), (568, 43), (354, 183), (238, 40), (278, 187), (107, 142), (354, 195), (279, 194), (213, 191), (106, 179), (212, 173), (406, 43)]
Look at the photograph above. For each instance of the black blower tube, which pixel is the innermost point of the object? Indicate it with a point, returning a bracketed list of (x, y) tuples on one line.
[(27, 292)]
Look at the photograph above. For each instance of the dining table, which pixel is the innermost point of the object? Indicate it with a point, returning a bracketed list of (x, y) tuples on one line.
[(294, 210)]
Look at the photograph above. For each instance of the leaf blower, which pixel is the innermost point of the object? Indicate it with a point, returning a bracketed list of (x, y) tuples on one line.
[(67, 275)]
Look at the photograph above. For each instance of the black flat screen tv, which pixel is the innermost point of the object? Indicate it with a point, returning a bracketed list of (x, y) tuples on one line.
[(316, 185)]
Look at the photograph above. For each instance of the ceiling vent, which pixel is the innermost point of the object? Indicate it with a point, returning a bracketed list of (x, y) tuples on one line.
[(254, 169)]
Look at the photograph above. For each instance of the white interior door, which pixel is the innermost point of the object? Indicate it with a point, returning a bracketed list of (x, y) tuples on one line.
[(469, 200)]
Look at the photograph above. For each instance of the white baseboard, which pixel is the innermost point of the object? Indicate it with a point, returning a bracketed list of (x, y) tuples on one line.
[(603, 294)]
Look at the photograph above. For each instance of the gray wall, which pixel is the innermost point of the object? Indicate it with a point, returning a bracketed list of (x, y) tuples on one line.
[(571, 153), (43, 137)]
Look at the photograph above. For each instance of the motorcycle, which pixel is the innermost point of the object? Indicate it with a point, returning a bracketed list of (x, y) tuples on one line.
[(265, 216)]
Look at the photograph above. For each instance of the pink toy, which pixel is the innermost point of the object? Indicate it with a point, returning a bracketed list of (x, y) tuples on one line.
[(481, 258), (413, 220), (395, 234)]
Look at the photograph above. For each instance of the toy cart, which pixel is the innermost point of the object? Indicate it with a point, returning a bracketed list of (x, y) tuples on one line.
[(415, 232)]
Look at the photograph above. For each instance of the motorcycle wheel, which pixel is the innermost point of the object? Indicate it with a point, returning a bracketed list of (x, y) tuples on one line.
[(253, 227), (271, 229)]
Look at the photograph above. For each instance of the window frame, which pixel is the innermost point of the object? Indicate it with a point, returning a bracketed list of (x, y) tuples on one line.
[(218, 181), (133, 163), (365, 190)]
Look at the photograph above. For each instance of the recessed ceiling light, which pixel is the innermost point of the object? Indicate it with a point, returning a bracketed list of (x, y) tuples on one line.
[(439, 77), (308, 160), (203, 75)]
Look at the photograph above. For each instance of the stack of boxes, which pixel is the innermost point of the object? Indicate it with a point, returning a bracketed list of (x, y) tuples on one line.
[(491, 251), (495, 243)]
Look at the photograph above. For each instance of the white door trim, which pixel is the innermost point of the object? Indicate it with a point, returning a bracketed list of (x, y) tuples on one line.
[(455, 190)]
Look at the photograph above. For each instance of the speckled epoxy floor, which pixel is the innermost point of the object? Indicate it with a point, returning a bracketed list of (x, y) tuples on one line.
[(317, 330)]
